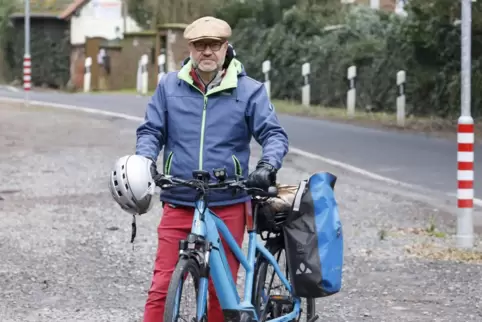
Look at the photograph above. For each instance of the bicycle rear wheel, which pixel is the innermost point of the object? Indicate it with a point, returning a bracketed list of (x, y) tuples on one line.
[(264, 279), (184, 268)]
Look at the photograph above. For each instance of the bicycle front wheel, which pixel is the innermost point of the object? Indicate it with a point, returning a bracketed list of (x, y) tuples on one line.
[(178, 292)]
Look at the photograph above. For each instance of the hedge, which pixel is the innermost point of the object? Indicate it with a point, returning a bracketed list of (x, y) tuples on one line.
[(426, 44)]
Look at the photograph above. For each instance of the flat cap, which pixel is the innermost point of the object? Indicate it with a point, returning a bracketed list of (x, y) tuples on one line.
[(207, 28)]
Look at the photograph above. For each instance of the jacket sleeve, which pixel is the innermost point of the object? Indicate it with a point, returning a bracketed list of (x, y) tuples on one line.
[(266, 129), (151, 134)]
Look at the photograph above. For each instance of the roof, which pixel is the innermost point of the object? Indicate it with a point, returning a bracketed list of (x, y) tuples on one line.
[(69, 10), (60, 9), (64, 9)]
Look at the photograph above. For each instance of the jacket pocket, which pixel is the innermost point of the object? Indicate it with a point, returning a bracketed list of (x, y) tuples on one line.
[(238, 170), (168, 163)]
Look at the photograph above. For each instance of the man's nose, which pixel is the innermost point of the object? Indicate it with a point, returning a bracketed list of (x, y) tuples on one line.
[(207, 51)]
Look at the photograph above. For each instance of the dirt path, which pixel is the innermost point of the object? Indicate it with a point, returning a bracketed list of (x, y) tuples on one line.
[(65, 252)]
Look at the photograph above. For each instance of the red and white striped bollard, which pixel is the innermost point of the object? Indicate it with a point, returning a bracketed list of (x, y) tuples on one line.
[(465, 180), (27, 73)]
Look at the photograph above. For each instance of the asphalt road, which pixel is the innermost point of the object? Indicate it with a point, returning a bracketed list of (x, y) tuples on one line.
[(412, 158)]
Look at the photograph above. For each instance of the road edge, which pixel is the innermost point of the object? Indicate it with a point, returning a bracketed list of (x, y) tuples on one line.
[(292, 150)]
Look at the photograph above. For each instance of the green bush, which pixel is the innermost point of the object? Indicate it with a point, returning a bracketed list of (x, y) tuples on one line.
[(426, 44), (50, 52), (6, 9)]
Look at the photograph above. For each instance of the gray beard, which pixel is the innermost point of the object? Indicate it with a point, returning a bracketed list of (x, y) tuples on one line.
[(196, 65)]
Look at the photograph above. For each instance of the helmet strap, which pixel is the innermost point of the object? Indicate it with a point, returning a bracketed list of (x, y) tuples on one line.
[(134, 230)]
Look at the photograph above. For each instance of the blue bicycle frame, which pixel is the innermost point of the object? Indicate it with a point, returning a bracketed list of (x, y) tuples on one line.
[(226, 291)]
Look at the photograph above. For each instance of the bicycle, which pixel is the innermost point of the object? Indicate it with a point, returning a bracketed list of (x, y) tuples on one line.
[(202, 252)]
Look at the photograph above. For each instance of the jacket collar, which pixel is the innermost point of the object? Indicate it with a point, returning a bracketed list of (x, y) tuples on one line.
[(230, 79)]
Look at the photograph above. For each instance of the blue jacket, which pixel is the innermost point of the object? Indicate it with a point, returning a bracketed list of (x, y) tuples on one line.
[(207, 131)]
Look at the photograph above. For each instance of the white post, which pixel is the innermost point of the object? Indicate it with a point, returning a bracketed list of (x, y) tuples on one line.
[(400, 8), (465, 138), (267, 83), (87, 74), (305, 90), (401, 98), (145, 74), (375, 4), (351, 95), (161, 60), (139, 77)]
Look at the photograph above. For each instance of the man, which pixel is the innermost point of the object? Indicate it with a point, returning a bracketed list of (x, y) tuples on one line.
[(204, 117)]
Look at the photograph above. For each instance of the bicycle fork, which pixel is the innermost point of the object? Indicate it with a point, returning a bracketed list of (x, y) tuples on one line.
[(198, 248)]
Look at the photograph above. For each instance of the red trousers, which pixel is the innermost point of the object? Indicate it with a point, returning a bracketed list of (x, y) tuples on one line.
[(175, 225)]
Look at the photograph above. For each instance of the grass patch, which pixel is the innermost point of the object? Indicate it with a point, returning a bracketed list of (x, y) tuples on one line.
[(431, 232), (433, 125), (430, 251), (432, 229)]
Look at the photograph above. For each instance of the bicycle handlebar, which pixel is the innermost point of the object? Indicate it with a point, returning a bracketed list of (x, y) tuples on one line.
[(167, 182)]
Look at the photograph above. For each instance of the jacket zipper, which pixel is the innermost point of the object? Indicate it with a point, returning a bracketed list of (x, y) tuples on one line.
[(203, 124), (237, 166), (167, 168)]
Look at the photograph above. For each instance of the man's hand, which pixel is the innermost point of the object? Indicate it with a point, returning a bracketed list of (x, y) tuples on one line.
[(153, 169), (263, 177)]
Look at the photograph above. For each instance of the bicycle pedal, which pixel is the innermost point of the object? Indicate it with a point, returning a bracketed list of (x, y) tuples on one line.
[(283, 299), (313, 319)]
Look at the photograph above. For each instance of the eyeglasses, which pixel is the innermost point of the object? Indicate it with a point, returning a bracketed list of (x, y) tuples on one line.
[(201, 45)]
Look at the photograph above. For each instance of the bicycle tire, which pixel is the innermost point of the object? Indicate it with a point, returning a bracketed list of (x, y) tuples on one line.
[(184, 265), (274, 246)]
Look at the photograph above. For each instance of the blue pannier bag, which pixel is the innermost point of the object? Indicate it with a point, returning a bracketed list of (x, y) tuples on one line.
[(313, 238)]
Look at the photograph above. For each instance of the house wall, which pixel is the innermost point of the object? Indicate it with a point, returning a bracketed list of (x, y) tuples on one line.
[(100, 18), (77, 61), (123, 64), (125, 57), (133, 47), (176, 49)]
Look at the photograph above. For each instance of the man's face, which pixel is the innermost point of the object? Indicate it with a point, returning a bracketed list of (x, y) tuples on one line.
[(208, 54)]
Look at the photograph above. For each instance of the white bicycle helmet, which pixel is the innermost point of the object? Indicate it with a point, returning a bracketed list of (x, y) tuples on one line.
[(131, 184)]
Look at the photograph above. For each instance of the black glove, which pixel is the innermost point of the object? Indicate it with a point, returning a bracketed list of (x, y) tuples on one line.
[(153, 168), (263, 177)]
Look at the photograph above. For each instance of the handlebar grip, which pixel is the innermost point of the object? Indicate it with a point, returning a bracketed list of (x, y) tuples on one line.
[(161, 180)]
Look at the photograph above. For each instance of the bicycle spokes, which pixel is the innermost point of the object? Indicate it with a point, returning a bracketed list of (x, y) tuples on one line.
[(185, 294)]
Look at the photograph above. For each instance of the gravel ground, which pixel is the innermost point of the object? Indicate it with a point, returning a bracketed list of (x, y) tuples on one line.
[(66, 255)]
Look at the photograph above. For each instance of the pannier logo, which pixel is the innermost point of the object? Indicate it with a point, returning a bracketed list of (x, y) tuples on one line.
[(303, 269)]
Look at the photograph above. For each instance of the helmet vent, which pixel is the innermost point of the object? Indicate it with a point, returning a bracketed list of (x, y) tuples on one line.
[(120, 193), (123, 166), (115, 183), (123, 176), (127, 187)]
